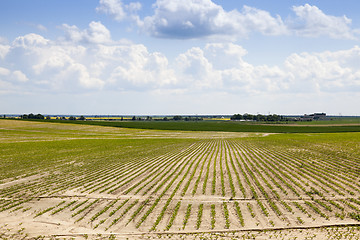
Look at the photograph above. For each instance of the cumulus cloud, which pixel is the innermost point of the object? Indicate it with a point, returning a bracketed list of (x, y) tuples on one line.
[(220, 66), (4, 49), (19, 76), (9, 80), (203, 18), (4, 71), (114, 8), (96, 33), (140, 69), (327, 71), (91, 61), (118, 10), (30, 40), (196, 71), (188, 19), (88, 60), (310, 21)]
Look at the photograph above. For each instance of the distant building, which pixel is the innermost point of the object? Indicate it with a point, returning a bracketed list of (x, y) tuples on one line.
[(314, 116)]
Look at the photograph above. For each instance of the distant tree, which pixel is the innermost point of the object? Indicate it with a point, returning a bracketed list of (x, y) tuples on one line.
[(133, 118), (122, 119), (72, 118), (32, 116), (82, 118), (148, 118), (48, 117), (259, 117), (177, 118), (236, 117), (39, 116), (248, 117), (165, 119)]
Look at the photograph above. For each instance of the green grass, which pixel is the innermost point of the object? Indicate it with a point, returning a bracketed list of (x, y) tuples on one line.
[(333, 120), (71, 151), (223, 126)]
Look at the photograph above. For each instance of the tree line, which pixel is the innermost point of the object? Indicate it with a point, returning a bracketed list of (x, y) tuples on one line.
[(32, 116), (40, 116), (259, 117), (174, 118)]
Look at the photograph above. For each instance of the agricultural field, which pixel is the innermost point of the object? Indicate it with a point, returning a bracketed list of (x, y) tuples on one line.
[(226, 126), (95, 182)]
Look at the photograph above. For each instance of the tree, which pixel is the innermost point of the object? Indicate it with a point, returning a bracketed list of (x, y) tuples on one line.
[(177, 118), (82, 118), (32, 116), (72, 118), (236, 117)]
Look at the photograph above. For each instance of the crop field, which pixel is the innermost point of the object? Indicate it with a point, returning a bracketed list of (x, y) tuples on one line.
[(94, 182), (227, 126)]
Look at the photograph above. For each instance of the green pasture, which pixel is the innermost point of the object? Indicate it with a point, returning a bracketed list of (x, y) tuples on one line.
[(223, 126)]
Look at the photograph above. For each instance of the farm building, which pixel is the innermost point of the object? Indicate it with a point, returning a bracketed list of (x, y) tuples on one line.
[(314, 116)]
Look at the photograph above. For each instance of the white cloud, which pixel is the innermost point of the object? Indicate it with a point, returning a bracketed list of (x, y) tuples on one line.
[(91, 61), (4, 71), (225, 56), (117, 9), (261, 21), (30, 40), (137, 68), (195, 71), (12, 77), (221, 67), (114, 8), (19, 76), (96, 33), (204, 18), (41, 27), (188, 19), (4, 49), (327, 71), (312, 22)]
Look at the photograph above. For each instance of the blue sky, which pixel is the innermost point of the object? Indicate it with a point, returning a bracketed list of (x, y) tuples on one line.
[(179, 57)]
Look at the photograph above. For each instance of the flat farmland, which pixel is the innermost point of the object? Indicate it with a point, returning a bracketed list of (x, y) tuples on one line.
[(94, 182)]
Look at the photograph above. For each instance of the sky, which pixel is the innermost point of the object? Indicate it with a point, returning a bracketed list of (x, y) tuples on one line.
[(165, 57)]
